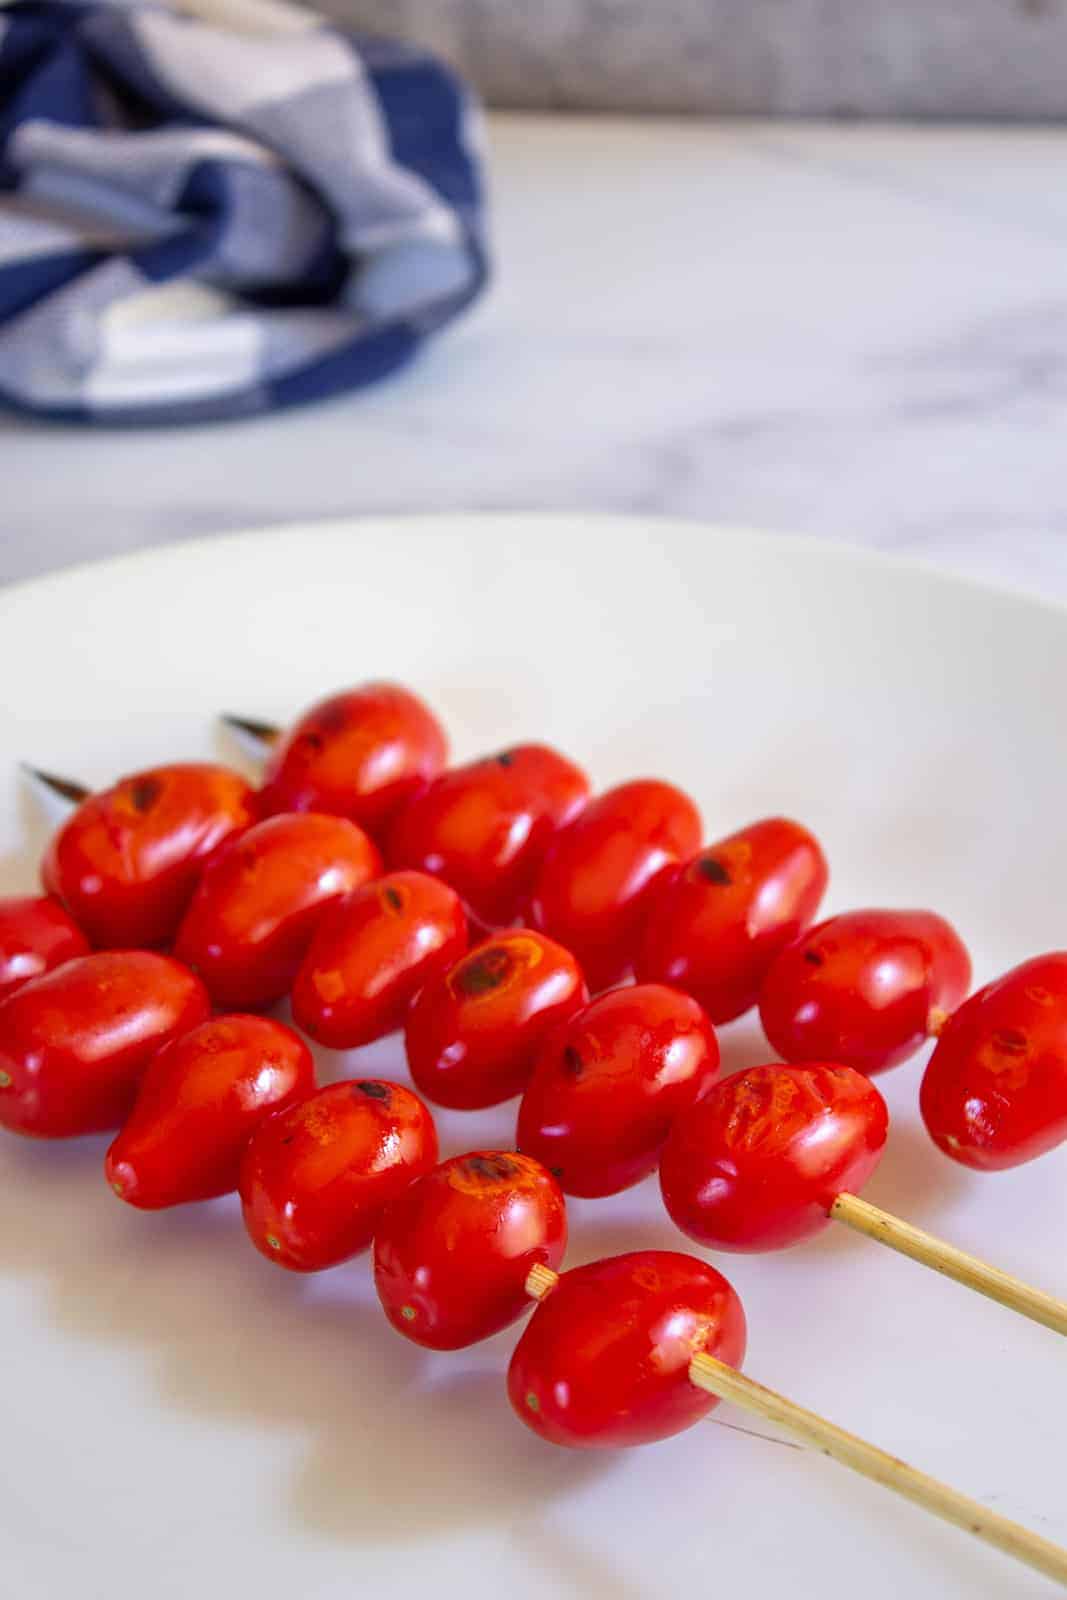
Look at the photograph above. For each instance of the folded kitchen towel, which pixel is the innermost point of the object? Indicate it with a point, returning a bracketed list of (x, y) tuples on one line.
[(213, 207)]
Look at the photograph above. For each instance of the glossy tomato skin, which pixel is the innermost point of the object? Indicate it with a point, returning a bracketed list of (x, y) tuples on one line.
[(75, 1042), (604, 1360), (316, 1179), (452, 1253), (484, 827), (126, 862), (592, 891), (859, 989), (36, 934), (758, 1163), (372, 953), (995, 1090), (473, 1034), (608, 1085), (260, 901), (361, 754), (716, 924), (199, 1102)]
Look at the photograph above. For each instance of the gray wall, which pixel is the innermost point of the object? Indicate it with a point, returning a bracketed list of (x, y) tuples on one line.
[(922, 58)]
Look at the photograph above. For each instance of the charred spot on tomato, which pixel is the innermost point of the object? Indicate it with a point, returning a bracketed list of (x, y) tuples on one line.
[(289, 1138), (557, 1172), (6, 1080), (312, 740), (372, 1089), (814, 958), (492, 1169), (393, 897), (1011, 1042), (572, 1062), (483, 972), (505, 759), (144, 792), (712, 870), (274, 1242)]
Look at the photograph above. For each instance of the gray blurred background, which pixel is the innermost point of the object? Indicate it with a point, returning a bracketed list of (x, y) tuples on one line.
[(877, 58)]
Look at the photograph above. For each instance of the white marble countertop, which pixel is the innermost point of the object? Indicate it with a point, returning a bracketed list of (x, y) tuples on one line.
[(856, 331)]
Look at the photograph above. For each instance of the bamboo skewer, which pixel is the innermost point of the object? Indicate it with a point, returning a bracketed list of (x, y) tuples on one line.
[(264, 733), (969, 1270), (818, 1433)]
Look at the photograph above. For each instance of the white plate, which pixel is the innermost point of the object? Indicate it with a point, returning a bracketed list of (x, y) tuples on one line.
[(179, 1418)]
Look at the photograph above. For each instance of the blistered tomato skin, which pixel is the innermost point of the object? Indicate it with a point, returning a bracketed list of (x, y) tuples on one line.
[(473, 1034), (862, 989), (592, 892), (758, 1163), (75, 1042), (604, 1360), (452, 1253), (36, 935), (716, 924), (260, 902), (315, 1180), (995, 1090), (372, 954), (361, 754), (608, 1086), (126, 862), (484, 827), (199, 1102)]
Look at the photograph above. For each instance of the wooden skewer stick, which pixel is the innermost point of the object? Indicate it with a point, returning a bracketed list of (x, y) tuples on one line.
[(717, 1378), (969, 1270), (58, 788), (264, 733)]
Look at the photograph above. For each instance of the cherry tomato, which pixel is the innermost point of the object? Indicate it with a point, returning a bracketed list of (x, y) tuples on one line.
[(716, 924), (473, 1033), (36, 934), (259, 903), (995, 1091), (371, 955), (608, 1085), (485, 827), (860, 989), (452, 1253), (126, 862), (758, 1163), (75, 1041), (200, 1101), (604, 1360), (361, 754), (316, 1179), (592, 890)]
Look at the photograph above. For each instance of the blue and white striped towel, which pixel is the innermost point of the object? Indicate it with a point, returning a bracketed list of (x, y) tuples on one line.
[(213, 207)]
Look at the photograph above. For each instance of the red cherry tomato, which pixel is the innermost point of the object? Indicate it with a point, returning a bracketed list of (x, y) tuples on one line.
[(361, 754), (608, 1085), (860, 988), (485, 827), (371, 955), (716, 924), (592, 890), (473, 1034), (758, 1163), (259, 903), (199, 1103), (36, 934), (452, 1253), (75, 1041), (604, 1360), (315, 1180), (127, 861), (995, 1091)]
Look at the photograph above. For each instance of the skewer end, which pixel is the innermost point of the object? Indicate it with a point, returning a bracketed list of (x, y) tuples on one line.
[(264, 733), (54, 787), (540, 1280)]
